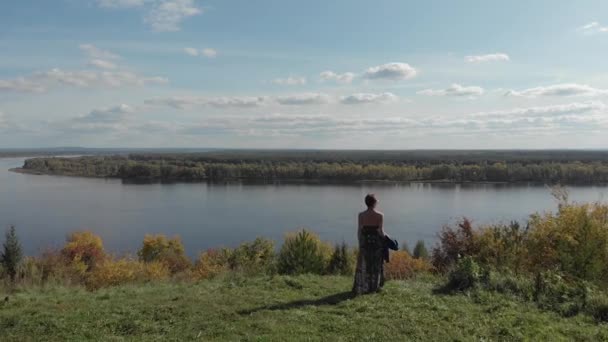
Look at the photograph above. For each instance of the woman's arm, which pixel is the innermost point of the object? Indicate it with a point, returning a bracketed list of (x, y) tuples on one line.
[(381, 225)]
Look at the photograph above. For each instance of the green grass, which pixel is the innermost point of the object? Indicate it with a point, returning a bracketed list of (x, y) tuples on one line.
[(304, 308)]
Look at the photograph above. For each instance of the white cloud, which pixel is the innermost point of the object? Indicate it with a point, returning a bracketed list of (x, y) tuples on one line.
[(344, 78), (207, 52), (44, 81), (22, 84), (563, 90), (161, 15), (492, 57), (99, 58), (542, 111), (291, 80), (454, 90), (89, 79), (107, 77), (107, 115), (115, 120), (360, 98), (574, 117), (94, 52), (391, 71), (593, 28), (184, 102), (101, 64), (303, 99), (191, 51), (121, 3), (167, 15)]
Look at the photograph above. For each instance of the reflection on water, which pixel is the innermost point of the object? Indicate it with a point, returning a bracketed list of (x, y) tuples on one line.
[(46, 208)]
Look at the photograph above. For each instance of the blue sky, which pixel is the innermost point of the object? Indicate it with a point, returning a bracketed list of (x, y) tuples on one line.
[(314, 74)]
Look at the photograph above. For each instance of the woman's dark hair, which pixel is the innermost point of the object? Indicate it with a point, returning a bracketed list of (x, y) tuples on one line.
[(370, 200)]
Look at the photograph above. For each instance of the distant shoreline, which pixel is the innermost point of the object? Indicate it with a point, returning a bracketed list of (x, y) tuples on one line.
[(345, 167), (280, 181)]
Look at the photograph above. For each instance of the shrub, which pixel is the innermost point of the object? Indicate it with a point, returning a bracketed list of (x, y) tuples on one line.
[(466, 275), (84, 250), (508, 283), (12, 253), (453, 244), (56, 268), (341, 261), (30, 272), (211, 263), (554, 292), (503, 246), (598, 308), (303, 252), (122, 271), (574, 240), (420, 251), (171, 252), (253, 257), (403, 266)]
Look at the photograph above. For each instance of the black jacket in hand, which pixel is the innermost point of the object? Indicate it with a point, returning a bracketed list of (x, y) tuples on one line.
[(389, 243)]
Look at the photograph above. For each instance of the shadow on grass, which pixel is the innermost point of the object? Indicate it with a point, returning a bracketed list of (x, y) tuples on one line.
[(328, 300)]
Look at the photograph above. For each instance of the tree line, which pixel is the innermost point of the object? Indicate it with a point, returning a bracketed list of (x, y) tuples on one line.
[(192, 167)]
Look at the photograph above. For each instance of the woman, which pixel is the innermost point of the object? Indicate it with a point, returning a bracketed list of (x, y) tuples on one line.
[(369, 276)]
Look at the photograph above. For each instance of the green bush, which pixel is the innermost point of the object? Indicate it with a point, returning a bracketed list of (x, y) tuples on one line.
[(253, 257), (341, 261), (598, 308), (552, 291), (302, 253), (420, 251), (466, 275)]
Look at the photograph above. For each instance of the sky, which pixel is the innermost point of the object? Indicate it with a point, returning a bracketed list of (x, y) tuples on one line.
[(340, 74)]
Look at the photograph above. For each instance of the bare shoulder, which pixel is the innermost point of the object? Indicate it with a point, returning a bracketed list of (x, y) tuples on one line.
[(380, 214)]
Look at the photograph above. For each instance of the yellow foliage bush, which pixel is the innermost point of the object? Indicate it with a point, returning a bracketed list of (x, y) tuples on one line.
[(84, 249), (573, 240), (55, 267), (211, 263), (404, 266), (169, 251), (122, 271), (503, 246)]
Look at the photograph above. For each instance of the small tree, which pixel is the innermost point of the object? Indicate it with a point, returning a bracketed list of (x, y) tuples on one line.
[(301, 253), (12, 253), (340, 262), (420, 251)]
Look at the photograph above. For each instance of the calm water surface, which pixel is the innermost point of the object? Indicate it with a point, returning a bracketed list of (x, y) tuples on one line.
[(46, 208)]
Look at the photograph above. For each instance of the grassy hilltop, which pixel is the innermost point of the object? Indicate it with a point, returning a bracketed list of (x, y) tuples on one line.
[(282, 308), (545, 280)]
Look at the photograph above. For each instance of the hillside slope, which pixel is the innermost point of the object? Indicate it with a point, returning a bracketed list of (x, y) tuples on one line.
[(281, 308)]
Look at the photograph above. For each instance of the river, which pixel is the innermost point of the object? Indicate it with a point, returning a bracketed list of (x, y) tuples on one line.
[(46, 208)]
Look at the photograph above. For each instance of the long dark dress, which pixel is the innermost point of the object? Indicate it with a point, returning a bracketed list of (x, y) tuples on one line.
[(369, 275)]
